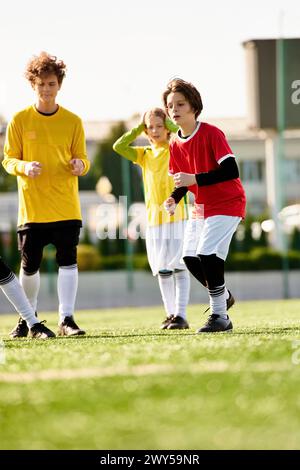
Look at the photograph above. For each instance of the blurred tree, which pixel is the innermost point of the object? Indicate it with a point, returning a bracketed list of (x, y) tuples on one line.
[(7, 182), (295, 240), (108, 163), (2, 248), (13, 252), (86, 239)]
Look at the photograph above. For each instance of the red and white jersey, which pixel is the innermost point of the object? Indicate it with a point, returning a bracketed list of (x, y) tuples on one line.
[(203, 151)]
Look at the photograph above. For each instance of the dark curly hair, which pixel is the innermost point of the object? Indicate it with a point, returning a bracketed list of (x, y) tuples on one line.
[(45, 64), (191, 94)]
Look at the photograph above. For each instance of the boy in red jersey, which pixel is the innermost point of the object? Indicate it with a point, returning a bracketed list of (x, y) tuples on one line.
[(202, 162)]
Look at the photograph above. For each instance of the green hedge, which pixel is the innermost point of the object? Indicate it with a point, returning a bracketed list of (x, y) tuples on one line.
[(258, 259), (115, 262), (261, 259), (88, 258)]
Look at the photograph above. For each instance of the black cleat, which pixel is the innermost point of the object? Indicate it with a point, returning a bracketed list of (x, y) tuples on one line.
[(69, 328), (166, 322), (178, 323), (40, 331), (21, 329), (230, 301), (215, 324)]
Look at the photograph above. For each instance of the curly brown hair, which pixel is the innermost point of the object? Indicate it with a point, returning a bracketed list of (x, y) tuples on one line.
[(188, 90), (45, 64)]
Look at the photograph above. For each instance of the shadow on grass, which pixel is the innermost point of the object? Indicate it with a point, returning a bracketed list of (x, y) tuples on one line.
[(23, 342)]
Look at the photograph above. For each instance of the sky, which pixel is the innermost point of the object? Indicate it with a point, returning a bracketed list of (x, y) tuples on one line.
[(120, 54)]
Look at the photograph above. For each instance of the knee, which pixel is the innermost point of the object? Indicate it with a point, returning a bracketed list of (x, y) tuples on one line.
[(176, 271), (212, 261), (214, 269), (30, 266), (190, 260), (5, 271), (165, 273)]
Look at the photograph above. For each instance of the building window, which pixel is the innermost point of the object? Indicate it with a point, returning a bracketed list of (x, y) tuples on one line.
[(292, 170), (252, 170)]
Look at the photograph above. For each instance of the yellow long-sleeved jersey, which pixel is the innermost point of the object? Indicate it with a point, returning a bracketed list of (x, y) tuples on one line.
[(158, 185), (52, 140)]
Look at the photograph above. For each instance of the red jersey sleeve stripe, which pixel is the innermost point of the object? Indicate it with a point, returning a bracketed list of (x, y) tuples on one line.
[(224, 158)]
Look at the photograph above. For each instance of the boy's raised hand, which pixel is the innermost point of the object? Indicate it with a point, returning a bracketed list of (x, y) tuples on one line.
[(170, 125), (77, 166)]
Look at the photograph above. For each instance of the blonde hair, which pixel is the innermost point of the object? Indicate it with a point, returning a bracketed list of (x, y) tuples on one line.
[(158, 112)]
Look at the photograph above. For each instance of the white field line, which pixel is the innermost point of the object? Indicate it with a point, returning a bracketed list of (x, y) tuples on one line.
[(141, 370)]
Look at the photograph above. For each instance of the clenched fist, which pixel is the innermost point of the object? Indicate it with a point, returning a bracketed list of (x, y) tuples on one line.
[(77, 166), (33, 169), (184, 179), (170, 205)]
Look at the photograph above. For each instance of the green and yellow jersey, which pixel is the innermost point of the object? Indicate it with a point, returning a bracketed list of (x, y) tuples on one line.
[(158, 185)]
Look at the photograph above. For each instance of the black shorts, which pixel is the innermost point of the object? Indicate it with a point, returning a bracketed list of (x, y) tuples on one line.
[(33, 240)]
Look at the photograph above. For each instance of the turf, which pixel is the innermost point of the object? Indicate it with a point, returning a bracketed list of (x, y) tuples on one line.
[(129, 385)]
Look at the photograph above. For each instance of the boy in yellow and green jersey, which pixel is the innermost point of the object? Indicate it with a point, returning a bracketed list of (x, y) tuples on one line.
[(164, 234)]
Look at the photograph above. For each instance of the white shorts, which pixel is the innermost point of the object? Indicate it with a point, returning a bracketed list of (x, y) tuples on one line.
[(210, 236), (164, 245)]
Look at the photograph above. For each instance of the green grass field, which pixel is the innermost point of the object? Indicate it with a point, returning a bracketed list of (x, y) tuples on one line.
[(129, 385)]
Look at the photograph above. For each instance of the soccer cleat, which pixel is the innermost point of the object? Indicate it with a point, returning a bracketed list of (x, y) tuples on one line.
[(178, 323), (215, 323), (166, 322), (40, 331), (21, 329), (230, 301), (69, 328)]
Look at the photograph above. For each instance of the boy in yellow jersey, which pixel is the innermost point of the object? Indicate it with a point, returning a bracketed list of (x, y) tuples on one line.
[(164, 234), (45, 149)]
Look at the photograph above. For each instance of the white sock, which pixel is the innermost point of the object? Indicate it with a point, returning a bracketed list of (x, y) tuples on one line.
[(67, 283), (167, 289), (16, 295), (182, 283), (217, 297), (31, 286)]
